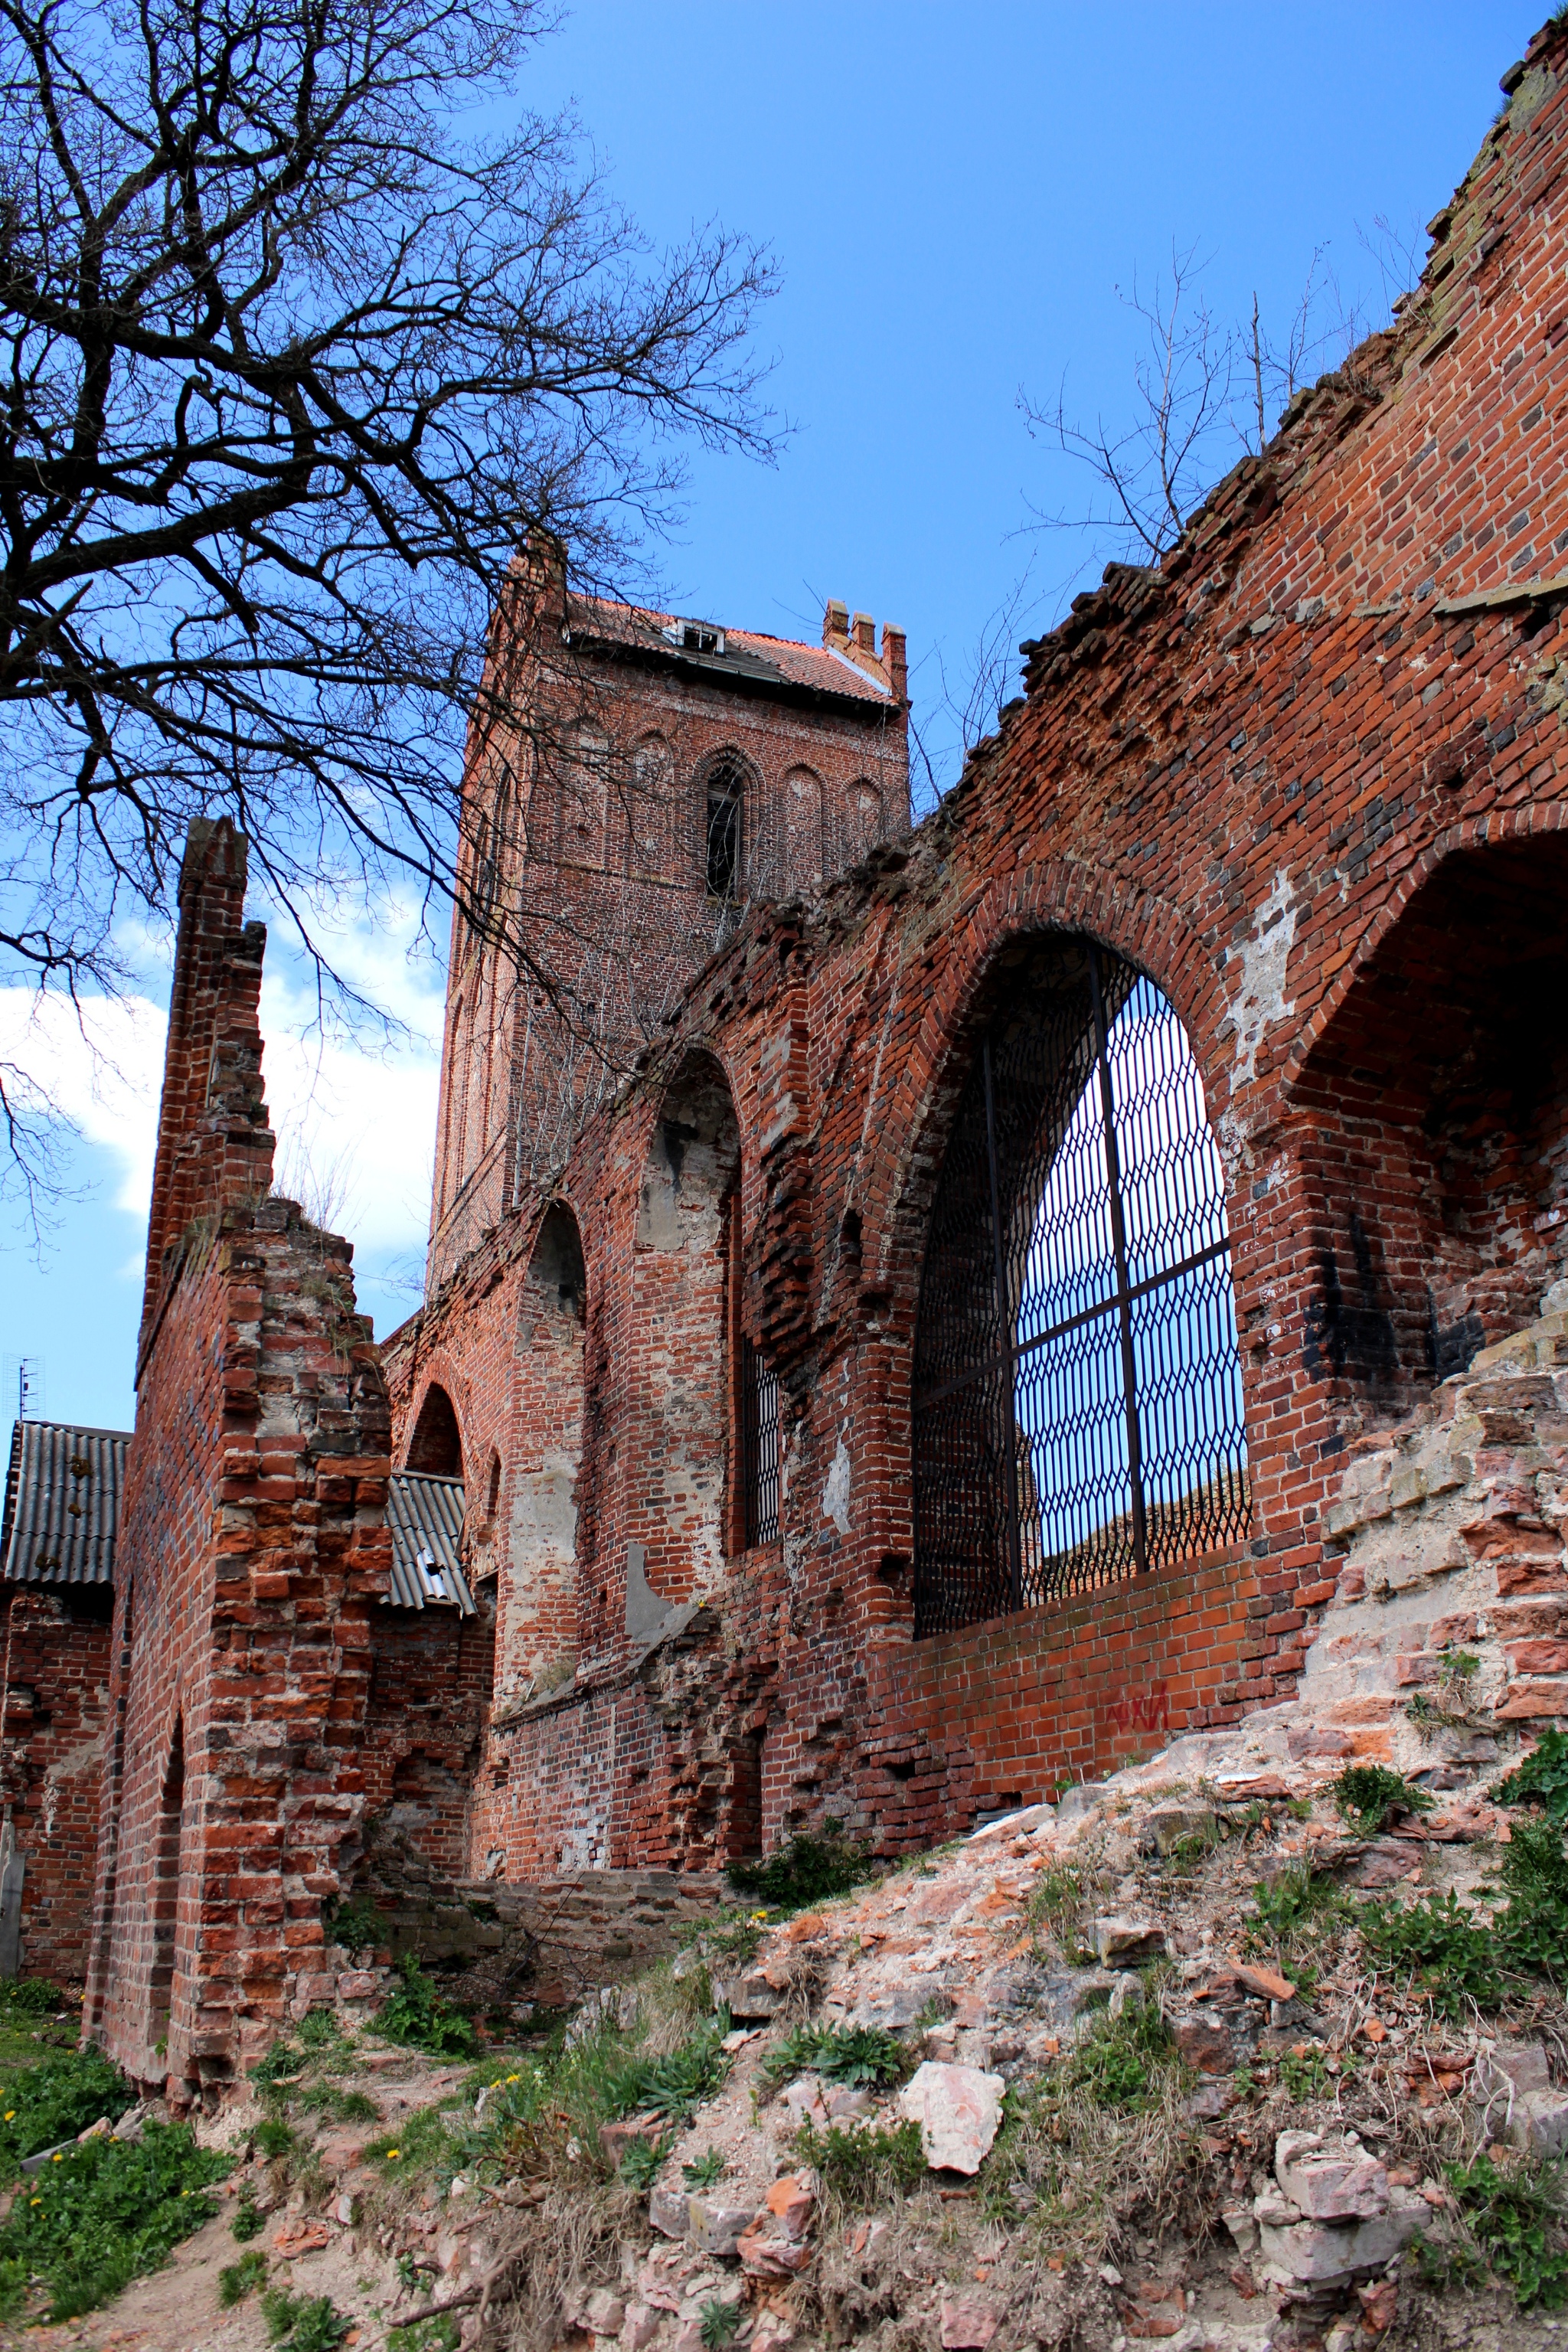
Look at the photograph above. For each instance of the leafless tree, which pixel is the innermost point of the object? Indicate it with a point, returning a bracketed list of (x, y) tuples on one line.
[(293, 366), (1203, 393)]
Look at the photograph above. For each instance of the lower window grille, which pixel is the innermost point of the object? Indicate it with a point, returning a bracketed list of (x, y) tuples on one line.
[(759, 1407)]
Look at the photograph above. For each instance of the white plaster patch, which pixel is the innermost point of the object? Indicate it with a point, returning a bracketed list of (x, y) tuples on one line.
[(1260, 1002), (835, 1489)]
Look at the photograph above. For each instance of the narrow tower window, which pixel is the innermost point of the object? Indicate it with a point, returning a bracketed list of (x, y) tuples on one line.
[(725, 802)]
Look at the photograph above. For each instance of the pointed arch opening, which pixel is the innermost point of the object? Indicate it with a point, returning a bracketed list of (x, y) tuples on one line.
[(683, 1506), (537, 1600), (1076, 1382), (437, 1444)]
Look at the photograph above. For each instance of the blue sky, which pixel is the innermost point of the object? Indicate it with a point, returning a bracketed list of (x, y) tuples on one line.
[(953, 198)]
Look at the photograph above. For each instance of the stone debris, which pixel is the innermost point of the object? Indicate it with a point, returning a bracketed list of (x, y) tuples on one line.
[(1331, 2212), (1130, 1941), (958, 2111), (967, 2323)]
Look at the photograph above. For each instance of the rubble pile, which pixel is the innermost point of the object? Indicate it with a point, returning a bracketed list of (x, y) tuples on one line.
[(1280, 2178)]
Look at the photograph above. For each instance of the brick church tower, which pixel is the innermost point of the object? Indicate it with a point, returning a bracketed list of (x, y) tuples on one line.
[(635, 781)]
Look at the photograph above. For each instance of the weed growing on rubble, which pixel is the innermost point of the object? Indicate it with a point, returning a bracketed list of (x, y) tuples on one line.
[(273, 2137), (438, 2333), (106, 2211), (806, 1870), (676, 2084), (247, 2221), (1293, 1913), (869, 2165), (358, 1925), (1515, 2218), (31, 1997), (705, 2171), (1369, 1796), (639, 2167), (238, 2280), (863, 2057), (1541, 1779), (720, 2323), (1459, 1956), (303, 2323), (423, 2019)]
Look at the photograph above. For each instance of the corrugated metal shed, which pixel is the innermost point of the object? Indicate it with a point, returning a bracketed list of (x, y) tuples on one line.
[(426, 1515), (62, 1501)]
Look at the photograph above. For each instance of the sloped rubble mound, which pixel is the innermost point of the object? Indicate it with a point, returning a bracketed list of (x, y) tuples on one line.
[(1158, 2065)]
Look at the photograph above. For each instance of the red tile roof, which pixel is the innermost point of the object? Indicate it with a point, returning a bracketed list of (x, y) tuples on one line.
[(747, 654)]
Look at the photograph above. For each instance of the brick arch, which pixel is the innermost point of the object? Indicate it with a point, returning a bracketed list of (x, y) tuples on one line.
[(1056, 894), (443, 1391), (1475, 833), (1429, 1118)]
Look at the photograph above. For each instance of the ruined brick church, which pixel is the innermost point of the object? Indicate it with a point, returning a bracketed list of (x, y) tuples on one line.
[(916, 1314)]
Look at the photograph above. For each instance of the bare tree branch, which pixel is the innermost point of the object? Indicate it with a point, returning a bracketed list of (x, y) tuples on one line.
[(291, 370)]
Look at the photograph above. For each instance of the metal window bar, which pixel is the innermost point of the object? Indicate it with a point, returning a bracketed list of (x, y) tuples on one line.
[(760, 1417), (1077, 1410)]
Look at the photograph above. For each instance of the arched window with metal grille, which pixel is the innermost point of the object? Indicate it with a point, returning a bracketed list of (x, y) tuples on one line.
[(1076, 1390)]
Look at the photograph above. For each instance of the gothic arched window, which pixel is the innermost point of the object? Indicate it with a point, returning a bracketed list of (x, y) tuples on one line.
[(1076, 1405)]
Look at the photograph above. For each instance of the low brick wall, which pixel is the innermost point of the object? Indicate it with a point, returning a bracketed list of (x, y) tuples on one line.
[(972, 1723)]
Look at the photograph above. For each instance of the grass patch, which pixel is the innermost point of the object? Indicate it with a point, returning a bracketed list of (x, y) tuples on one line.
[(870, 2166), (238, 2280), (107, 2212), (55, 2099), (1120, 2062), (303, 2323), (862, 2057), (423, 2143), (423, 2019), (705, 2171), (1369, 1796), (1296, 1910), (1056, 1906), (806, 1870), (1515, 2218), (675, 2085)]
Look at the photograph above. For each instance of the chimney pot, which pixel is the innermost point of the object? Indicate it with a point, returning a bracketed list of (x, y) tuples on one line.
[(835, 621), (865, 629)]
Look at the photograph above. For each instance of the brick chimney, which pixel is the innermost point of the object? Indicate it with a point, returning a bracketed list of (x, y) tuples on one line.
[(864, 629), (894, 661), (836, 623)]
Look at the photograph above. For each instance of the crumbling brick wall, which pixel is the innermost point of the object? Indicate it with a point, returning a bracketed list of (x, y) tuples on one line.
[(251, 1551), (1307, 773), (52, 1726)]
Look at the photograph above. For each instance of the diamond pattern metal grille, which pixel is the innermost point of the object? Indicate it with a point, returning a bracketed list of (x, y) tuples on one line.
[(1078, 1413)]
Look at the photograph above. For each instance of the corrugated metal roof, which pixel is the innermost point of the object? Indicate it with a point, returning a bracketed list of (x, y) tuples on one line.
[(62, 1502), (426, 1515)]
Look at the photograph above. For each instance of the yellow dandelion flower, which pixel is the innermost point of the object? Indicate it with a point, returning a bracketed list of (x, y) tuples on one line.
[(56, 2157), (10, 2114), (392, 2153)]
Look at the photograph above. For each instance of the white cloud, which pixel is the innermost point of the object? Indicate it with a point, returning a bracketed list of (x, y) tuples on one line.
[(356, 1122)]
